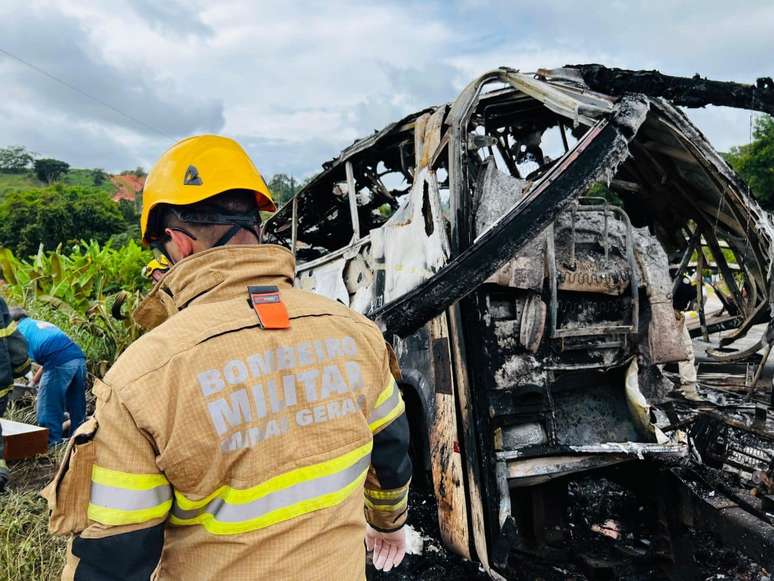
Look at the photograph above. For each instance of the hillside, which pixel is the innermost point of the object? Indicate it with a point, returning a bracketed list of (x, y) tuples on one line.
[(127, 186), (74, 177)]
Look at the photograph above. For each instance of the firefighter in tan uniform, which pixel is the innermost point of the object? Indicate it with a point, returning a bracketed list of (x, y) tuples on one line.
[(256, 429)]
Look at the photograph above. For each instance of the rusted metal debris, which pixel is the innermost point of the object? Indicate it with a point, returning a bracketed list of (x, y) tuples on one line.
[(531, 251)]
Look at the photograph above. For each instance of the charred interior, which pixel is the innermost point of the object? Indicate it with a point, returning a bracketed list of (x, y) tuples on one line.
[(567, 277)]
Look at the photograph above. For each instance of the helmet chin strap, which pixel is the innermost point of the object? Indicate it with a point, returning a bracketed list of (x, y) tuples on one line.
[(231, 232), (228, 235)]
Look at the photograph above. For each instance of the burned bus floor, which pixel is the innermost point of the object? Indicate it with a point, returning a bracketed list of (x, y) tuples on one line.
[(619, 523), (574, 283), (615, 525)]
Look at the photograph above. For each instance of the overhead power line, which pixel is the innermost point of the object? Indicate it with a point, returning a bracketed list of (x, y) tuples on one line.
[(84, 93)]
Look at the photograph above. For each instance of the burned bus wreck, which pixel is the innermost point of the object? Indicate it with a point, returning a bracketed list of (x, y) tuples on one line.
[(570, 279)]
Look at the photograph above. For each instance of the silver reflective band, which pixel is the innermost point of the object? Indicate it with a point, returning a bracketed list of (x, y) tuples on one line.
[(310, 489), (386, 407), (126, 499)]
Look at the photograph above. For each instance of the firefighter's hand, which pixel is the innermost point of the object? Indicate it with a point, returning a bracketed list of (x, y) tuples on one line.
[(388, 548)]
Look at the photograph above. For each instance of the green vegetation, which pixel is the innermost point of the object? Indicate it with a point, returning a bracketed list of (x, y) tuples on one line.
[(15, 159), (600, 190), (55, 215), (95, 179), (10, 182), (28, 551), (79, 290), (49, 170), (283, 187), (755, 161), (21, 169)]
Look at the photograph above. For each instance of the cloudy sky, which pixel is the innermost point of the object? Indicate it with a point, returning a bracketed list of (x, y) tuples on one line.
[(295, 81)]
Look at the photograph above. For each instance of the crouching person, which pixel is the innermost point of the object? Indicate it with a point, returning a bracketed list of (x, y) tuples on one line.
[(61, 378)]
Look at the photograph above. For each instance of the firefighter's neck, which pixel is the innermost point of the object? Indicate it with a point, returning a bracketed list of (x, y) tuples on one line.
[(181, 245)]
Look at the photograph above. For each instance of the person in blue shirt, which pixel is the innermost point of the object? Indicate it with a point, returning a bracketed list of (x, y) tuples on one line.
[(62, 384)]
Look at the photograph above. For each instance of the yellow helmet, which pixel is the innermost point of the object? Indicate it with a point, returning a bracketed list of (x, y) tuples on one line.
[(198, 168)]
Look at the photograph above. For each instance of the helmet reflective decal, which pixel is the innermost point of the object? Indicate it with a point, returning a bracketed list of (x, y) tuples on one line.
[(192, 177)]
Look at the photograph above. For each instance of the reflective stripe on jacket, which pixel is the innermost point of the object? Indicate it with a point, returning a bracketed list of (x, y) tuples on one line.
[(253, 450)]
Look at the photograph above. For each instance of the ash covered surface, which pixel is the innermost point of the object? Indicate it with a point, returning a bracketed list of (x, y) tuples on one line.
[(613, 532), (712, 560), (436, 563)]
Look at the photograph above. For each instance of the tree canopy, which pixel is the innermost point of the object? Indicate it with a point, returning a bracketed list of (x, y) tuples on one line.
[(755, 161), (283, 187), (54, 215), (15, 159), (49, 170)]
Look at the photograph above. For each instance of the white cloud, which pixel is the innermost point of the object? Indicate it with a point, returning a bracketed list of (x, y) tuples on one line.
[(297, 81)]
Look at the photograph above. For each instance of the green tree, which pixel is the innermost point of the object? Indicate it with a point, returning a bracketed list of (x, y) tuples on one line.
[(99, 176), (15, 159), (57, 215), (49, 170), (129, 211), (283, 187), (755, 161)]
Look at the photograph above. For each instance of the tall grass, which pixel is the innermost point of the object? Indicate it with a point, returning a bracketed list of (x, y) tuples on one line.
[(27, 551)]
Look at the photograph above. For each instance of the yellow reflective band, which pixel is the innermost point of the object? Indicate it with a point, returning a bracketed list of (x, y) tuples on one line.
[(8, 331), (242, 496), (115, 516), (386, 494), (128, 480), (396, 411), (385, 395), (398, 507), (216, 527), (5, 390)]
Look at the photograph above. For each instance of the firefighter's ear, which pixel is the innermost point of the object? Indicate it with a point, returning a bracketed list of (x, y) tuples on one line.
[(180, 244)]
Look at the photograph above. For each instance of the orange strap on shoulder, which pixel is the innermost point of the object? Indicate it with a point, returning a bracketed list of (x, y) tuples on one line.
[(271, 311)]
